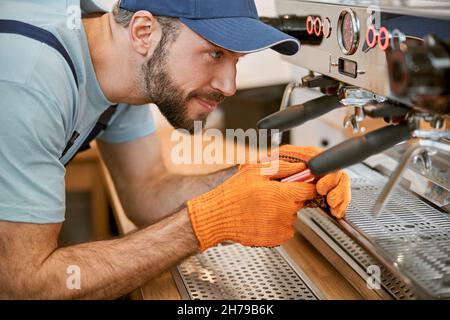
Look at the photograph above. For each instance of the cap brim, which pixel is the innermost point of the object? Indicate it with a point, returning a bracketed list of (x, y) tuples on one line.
[(243, 35)]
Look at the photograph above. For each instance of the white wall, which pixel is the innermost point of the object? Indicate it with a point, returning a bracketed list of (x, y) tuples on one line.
[(265, 67)]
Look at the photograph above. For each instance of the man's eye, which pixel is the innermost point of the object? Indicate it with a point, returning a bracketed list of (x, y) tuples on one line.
[(216, 54)]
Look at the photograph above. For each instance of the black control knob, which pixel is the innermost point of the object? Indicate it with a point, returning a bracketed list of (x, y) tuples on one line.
[(295, 26)]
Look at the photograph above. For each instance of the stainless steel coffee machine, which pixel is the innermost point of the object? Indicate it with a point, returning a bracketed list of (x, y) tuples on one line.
[(388, 60)]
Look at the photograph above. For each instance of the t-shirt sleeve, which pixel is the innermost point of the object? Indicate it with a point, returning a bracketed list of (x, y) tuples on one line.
[(129, 123), (31, 140)]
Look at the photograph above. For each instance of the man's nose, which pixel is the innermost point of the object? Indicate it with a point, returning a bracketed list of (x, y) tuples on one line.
[(225, 80)]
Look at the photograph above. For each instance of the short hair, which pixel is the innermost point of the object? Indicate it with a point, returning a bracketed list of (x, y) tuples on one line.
[(169, 25)]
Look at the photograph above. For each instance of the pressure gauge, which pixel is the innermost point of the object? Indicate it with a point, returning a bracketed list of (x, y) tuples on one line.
[(348, 31)]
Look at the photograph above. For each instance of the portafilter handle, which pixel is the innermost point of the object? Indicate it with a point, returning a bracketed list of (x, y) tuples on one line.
[(298, 114), (357, 149)]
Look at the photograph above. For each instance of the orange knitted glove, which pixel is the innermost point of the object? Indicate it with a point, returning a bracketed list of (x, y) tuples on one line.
[(250, 208), (335, 186)]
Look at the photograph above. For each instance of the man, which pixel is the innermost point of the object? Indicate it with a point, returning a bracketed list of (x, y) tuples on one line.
[(178, 54)]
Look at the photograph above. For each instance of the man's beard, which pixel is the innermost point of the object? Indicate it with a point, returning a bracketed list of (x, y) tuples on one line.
[(161, 90)]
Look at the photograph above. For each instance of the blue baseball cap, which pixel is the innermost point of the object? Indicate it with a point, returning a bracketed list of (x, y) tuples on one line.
[(231, 24)]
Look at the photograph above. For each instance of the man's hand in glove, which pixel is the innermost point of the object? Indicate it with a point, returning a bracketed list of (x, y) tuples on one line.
[(250, 208), (335, 186)]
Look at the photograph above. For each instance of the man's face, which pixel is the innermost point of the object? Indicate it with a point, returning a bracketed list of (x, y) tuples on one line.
[(188, 78)]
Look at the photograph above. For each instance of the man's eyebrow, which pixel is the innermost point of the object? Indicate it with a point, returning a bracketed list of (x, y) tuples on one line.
[(211, 46)]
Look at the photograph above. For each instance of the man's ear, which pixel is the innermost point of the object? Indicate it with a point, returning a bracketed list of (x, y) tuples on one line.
[(145, 32)]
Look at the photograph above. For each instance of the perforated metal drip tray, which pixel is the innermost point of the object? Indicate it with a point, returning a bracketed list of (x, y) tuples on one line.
[(410, 238), (234, 272)]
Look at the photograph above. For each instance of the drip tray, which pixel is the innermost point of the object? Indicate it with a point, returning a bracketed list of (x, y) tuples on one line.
[(235, 272), (409, 240)]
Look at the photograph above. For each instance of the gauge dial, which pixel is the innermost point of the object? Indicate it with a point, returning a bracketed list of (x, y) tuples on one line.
[(348, 31)]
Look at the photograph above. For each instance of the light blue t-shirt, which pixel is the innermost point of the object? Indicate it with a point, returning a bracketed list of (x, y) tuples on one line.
[(41, 107)]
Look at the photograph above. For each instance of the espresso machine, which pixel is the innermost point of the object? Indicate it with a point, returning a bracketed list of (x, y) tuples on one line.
[(388, 60)]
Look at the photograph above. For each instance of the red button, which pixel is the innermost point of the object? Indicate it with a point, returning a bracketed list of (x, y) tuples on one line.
[(384, 37), (309, 25), (318, 26)]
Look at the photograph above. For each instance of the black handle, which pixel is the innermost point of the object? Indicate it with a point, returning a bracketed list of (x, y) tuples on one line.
[(357, 149), (385, 110), (296, 115)]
